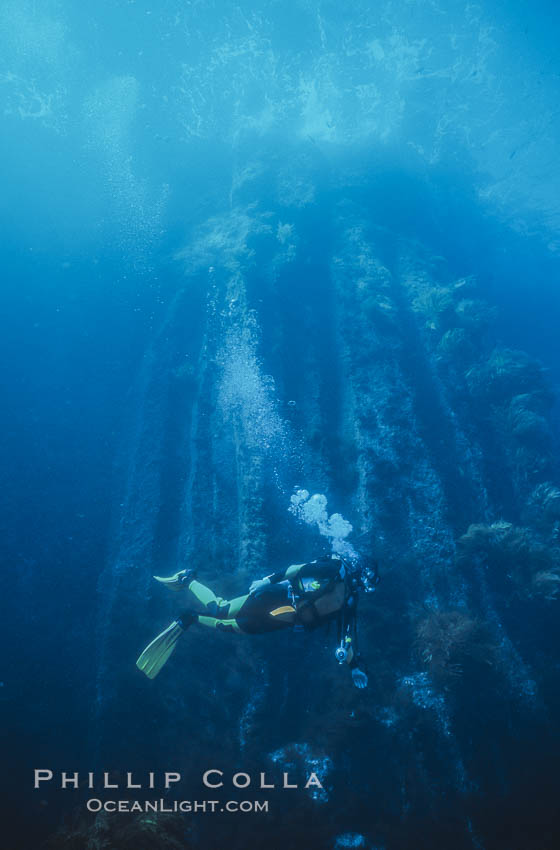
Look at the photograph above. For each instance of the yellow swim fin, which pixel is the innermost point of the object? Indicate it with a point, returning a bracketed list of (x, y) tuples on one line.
[(178, 581), (158, 651)]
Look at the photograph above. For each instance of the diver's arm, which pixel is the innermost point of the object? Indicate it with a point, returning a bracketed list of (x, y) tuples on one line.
[(355, 660), (276, 578), (359, 678), (326, 567), (358, 670)]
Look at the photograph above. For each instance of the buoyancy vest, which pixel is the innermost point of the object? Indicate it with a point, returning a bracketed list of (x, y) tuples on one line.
[(318, 599)]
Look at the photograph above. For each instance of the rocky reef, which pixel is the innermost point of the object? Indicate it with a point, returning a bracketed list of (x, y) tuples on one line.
[(313, 347), (123, 832)]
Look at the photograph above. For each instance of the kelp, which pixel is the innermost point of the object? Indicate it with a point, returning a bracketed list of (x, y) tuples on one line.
[(449, 641), (504, 374), (517, 553)]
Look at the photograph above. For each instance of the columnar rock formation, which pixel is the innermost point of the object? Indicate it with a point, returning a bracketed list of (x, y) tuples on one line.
[(312, 347)]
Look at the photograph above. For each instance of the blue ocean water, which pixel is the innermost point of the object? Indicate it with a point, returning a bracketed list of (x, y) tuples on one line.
[(251, 249)]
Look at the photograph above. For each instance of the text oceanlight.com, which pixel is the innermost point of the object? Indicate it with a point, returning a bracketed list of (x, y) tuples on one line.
[(174, 806)]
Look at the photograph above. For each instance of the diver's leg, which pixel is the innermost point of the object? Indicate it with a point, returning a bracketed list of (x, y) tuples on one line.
[(215, 605), (235, 605), (230, 610), (158, 651), (225, 625), (251, 614)]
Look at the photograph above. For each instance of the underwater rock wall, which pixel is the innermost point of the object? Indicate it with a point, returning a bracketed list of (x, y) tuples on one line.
[(379, 383)]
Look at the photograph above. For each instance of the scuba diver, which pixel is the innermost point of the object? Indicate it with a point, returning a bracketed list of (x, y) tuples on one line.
[(303, 596)]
